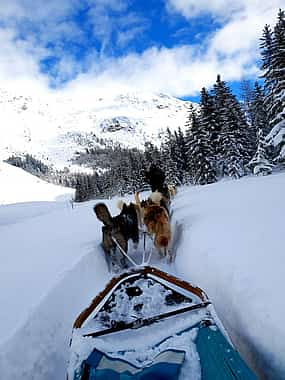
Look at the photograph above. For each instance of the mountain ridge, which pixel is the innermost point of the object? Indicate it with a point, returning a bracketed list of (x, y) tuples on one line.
[(53, 127)]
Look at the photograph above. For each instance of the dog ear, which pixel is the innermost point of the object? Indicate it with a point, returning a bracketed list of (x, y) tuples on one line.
[(103, 214)]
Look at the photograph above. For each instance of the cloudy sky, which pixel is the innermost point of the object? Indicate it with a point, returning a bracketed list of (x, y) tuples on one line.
[(171, 46)]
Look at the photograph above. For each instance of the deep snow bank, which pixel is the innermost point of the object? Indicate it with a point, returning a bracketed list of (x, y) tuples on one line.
[(233, 247), (16, 185)]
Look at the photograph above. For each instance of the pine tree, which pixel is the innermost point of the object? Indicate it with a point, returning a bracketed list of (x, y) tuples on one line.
[(277, 112), (169, 159), (81, 189), (246, 97), (235, 144), (260, 164), (180, 156), (152, 154), (259, 114), (135, 171), (266, 47), (273, 64), (210, 124), (197, 142)]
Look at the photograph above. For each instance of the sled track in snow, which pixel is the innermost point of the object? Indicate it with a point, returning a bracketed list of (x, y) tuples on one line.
[(39, 350)]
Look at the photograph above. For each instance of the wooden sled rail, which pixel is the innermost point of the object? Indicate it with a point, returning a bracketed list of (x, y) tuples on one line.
[(121, 326), (139, 272)]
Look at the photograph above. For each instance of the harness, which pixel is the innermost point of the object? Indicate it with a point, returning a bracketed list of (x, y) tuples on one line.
[(145, 259)]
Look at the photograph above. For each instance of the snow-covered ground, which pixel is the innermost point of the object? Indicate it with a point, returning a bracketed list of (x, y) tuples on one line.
[(52, 266), (17, 186)]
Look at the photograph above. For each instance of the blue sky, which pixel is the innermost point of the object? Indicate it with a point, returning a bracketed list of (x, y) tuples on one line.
[(170, 46)]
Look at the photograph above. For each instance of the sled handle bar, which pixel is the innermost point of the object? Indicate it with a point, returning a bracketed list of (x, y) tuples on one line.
[(120, 326)]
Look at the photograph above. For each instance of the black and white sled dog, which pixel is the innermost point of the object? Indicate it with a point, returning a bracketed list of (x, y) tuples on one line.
[(118, 230)]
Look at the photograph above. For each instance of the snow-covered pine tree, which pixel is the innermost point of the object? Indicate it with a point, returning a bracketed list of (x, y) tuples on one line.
[(199, 155), (258, 111), (169, 163), (209, 122), (123, 171), (260, 164), (235, 145), (81, 189), (135, 170), (180, 156), (246, 96), (151, 154), (273, 64)]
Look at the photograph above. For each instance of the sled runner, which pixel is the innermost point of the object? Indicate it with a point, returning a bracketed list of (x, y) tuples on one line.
[(147, 324)]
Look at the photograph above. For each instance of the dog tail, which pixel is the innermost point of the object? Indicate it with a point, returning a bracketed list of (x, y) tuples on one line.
[(156, 197), (172, 190), (120, 204), (137, 198)]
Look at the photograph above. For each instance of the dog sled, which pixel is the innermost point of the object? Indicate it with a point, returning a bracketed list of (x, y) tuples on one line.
[(147, 324)]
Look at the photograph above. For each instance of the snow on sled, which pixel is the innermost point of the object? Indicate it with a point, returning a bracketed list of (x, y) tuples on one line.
[(147, 324)]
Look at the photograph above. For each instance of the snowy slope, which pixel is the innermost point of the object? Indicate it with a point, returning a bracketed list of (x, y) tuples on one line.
[(53, 127), (232, 247), (16, 185)]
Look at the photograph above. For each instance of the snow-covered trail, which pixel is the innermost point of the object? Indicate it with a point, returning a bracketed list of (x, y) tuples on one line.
[(52, 271), (230, 246), (38, 248)]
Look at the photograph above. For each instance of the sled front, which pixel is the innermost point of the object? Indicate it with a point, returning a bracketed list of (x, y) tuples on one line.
[(148, 324)]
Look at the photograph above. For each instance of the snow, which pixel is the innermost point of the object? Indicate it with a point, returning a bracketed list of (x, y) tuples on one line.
[(52, 266), (53, 127), (146, 342), (32, 188)]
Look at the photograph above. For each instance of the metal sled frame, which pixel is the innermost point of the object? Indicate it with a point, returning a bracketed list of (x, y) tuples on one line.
[(145, 272)]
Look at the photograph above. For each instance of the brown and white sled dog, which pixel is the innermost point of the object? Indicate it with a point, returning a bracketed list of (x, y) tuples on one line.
[(164, 198), (156, 219)]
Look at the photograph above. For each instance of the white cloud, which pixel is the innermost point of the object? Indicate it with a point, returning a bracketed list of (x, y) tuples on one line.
[(243, 20), (178, 71), (125, 37), (19, 63), (111, 18), (231, 50), (228, 9), (39, 10), (193, 8)]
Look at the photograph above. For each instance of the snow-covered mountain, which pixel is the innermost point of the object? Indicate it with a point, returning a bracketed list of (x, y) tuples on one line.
[(52, 127)]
